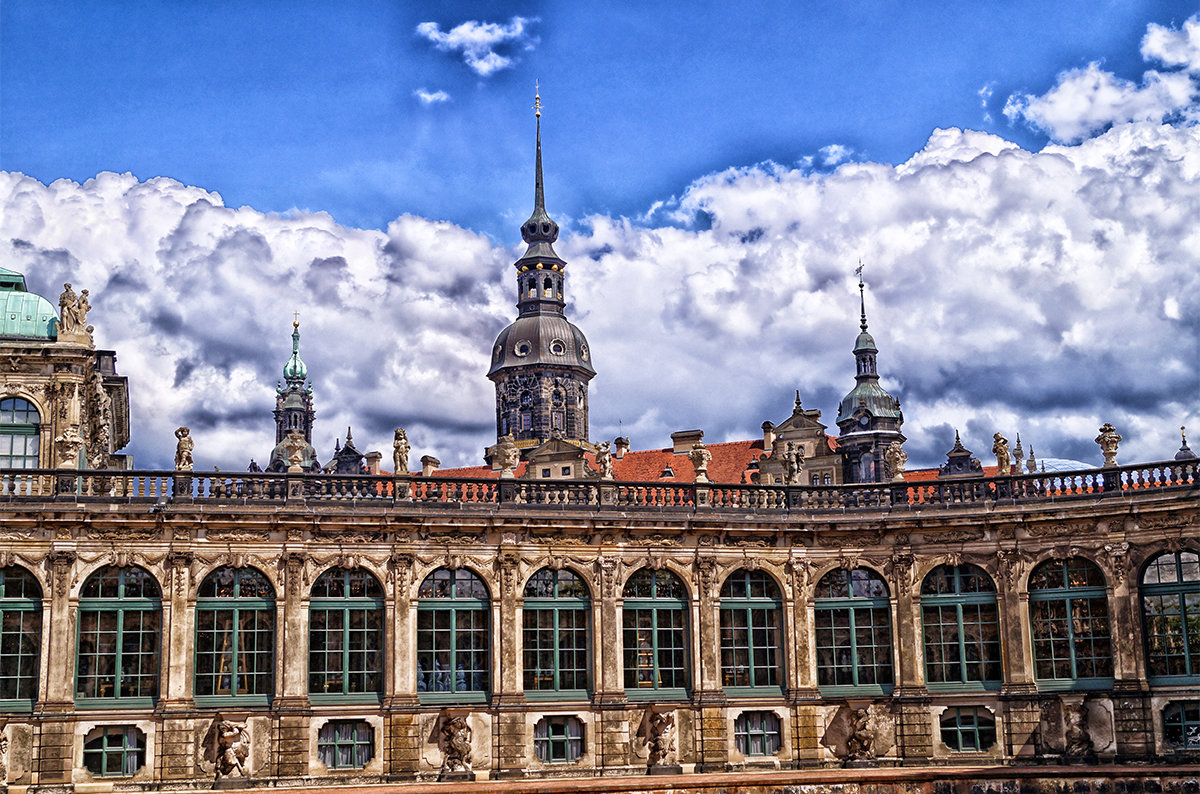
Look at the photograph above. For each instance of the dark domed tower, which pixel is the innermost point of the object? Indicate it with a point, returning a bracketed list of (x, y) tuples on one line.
[(869, 418), (541, 364)]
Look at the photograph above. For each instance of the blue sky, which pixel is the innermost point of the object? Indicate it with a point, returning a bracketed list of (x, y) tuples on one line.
[(312, 106), (1022, 180)]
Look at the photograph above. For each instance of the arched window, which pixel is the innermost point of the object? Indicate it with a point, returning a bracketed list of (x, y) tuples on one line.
[(345, 635), (20, 637), (120, 611), (558, 740), (655, 634), (750, 618), (1171, 616), (19, 439), (1068, 610), (452, 636), (854, 632), (114, 751), (556, 654), (235, 635), (962, 628)]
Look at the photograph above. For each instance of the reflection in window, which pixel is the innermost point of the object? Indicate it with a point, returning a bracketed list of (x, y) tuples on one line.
[(558, 740), (1181, 724), (114, 751), (655, 631), (962, 626), (345, 633), (452, 633), (235, 634), (120, 610), (345, 744), (757, 733), (1171, 616), (555, 647), (1068, 610), (750, 618), (20, 635), (19, 436), (854, 630), (968, 728)]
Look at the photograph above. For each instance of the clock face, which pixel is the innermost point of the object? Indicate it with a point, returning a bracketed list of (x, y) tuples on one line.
[(864, 420)]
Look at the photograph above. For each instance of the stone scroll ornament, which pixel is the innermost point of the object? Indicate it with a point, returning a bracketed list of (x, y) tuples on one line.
[(233, 748), (455, 743), (183, 449), (700, 458), (400, 450)]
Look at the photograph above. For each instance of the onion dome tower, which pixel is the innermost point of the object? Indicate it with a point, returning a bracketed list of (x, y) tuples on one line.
[(294, 409), (541, 364), (869, 418)]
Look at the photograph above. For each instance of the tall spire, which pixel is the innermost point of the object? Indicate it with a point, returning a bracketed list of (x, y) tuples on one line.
[(862, 300), (540, 228), (539, 195)]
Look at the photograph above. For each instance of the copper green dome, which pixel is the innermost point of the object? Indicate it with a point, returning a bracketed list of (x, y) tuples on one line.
[(295, 369), (25, 314)]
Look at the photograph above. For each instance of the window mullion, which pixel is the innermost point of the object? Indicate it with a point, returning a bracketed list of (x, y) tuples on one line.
[(1071, 636), (962, 645), (233, 651), (853, 647), (119, 666)]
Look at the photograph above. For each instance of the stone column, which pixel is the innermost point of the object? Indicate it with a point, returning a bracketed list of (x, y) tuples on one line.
[(1131, 705), (176, 742), (913, 729), (1022, 712), (802, 690), (403, 748), (54, 747), (292, 708), (510, 697), (711, 749), (613, 738)]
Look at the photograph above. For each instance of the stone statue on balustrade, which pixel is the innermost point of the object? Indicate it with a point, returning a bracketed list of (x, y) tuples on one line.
[(793, 464), (895, 457), (400, 450), (1003, 457), (508, 455), (183, 449), (700, 458), (294, 446), (604, 461)]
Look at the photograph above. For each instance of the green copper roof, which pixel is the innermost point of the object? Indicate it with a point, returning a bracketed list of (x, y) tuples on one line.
[(25, 314), (294, 369)]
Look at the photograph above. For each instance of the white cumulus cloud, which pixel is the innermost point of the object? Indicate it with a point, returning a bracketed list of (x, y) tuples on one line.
[(479, 43), (1087, 100), (431, 97)]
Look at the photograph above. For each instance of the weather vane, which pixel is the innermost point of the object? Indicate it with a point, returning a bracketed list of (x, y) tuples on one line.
[(296, 319), (537, 100), (859, 270)]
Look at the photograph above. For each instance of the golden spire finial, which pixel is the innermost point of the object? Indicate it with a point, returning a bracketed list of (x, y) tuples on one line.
[(295, 319), (537, 100)]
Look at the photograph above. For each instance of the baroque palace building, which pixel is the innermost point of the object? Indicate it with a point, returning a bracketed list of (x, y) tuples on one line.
[(570, 609)]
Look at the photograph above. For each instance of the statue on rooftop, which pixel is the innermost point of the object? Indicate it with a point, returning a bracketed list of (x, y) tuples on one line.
[(400, 450), (507, 454), (793, 464), (1003, 458), (294, 446), (700, 458), (183, 449)]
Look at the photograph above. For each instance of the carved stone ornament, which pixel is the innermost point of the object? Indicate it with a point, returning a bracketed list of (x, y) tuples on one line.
[(660, 740), (1108, 440), (1058, 530), (67, 446), (294, 446), (233, 748), (508, 454), (454, 741), (895, 457), (604, 461), (400, 450), (609, 571), (1118, 560)]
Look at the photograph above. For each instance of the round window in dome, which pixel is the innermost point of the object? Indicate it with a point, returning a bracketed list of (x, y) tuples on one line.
[(583, 352), (558, 348), (523, 348)]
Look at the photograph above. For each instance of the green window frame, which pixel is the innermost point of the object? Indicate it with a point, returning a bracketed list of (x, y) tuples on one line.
[(1181, 724), (558, 740), (20, 638), (757, 733), (114, 751), (20, 434), (346, 744), (235, 638), (655, 636), (961, 624), (968, 729), (751, 610), (1170, 595), (117, 650), (853, 619), (345, 637), (1072, 633), (556, 652), (453, 637)]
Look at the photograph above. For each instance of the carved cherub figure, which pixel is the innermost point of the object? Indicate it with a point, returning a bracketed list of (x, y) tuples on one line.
[(233, 748), (183, 449), (896, 457), (400, 450), (1003, 457), (604, 461)]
